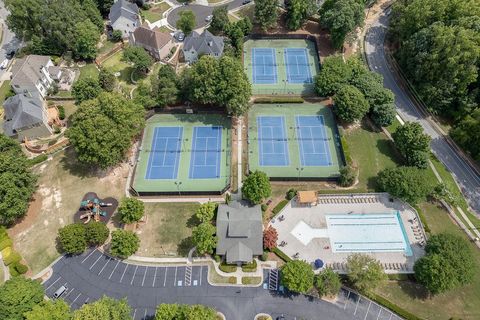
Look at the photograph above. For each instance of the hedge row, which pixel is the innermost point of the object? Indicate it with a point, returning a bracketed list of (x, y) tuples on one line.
[(281, 255), (228, 268), (423, 219), (280, 206), (346, 150), (279, 100), (37, 160), (390, 305), (250, 267), (17, 268), (7, 242)]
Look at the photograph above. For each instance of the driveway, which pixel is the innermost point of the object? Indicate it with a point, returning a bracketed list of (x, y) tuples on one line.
[(464, 174), (91, 275)]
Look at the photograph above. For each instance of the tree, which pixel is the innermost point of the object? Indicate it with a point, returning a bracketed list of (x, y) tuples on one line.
[(96, 233), (131, 210), (103, 128), (204, 238), (364, 272), (341, 17), (107, 80), (467, 133), (105, 308), (334, 74), (104, 6), (413, 144), (124, 243), (85, 89), (165, 87), (139, 57), (182, 311), (49, 310), (73, 238), (347, 176), (407, 183), (448, 263), (144, 95), (266, 13), (256, 187), (298, 12), (235, 33), (297, 276), (327, 282), (206, 211), (18, 296), (17, 183), (86, 39), (220, 19), (383, 115), (371, 85), (350, 104), (117, 35), (270, 237), (186, 22)]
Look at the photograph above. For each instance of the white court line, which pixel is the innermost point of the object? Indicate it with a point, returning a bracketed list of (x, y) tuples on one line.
[(154, 277), (177, 156), (134, 272), (75, 299), (52, 283), (118, 261), (154, 145), (165, 279), (105, 265), (144, 275), (126, 266), (95, 262), (194, 147), (88, 256)]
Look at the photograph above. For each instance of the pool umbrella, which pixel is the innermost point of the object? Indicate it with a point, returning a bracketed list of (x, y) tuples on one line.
[(318, 263)]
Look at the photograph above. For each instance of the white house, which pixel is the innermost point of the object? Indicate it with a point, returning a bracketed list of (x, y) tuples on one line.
[(33, 74), (124, 16)]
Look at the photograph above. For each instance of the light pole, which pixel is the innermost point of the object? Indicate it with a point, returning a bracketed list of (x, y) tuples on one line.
[(178, 183), (299, 171)]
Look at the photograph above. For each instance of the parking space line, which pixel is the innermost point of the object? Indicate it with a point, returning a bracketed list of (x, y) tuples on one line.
[(134, 313), (88, 256), (105, 265), (379, 311), (134, 272), (69, 293), (53, 283), (154, 277), (346, 301), (118, 261), (86, 301), (391, 315), (75, 299), (175, 281), (126, 266), (143, 281), (366, 314), (201, 274), (145, 314), (355, 313), (95, 262), (165, 280)]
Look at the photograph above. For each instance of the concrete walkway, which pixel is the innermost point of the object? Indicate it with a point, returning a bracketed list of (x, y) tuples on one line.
[(239, 274)]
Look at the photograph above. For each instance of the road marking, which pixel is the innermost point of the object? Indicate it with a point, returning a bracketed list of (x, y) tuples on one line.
[(201, 274), (53, 283), (134, 312), (380, 311), (134, 272), (145, 314), (69, 293), (95, 262), (154, 277), (126, 266), (75, 299), (88, 256), (105, 265), (86, 301), (366, 314), (391, 315), (345, 306), (174, 281), (165, 280), (118, 261), (143, 281), (356, 306)]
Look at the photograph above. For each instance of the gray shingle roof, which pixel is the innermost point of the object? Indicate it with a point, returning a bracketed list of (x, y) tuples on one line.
[(22, 111), (123, 8), (27, 71), (205, 43), (239, 231)]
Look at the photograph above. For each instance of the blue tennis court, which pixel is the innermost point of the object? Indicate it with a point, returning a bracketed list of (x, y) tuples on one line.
[(313, 141), (264, 66), (272, 141), (298, 66), (206, 153), (165, 154)]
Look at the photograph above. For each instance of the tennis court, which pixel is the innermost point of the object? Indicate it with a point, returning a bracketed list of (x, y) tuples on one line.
[(272, 141), (298, 66), (294, 141), (184, 154), (313, 141), (264, 66)]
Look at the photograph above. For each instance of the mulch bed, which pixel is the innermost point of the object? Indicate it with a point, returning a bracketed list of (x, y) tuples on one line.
[(109, 210)]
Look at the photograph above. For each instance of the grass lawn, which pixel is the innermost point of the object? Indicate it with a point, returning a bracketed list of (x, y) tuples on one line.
[(155, 12), (115, 64), (89, 70), (107, 46), (168, 229), (247, 11), (232, 18), (251, 280), (62, 183), (4, 89)]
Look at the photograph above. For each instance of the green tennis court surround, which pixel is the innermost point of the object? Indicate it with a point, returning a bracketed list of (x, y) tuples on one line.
[(294, 141), (281, 66), (184, 154)]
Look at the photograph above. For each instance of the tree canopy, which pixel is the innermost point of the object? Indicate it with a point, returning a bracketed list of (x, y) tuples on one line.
[(124, 243), (467, 133), (86, 89), (350, 104), (203, 236), (383, 115), (328, 282), (105, 308), (18, 296), (85, 45), (103, 128), (413, 144), (73, 238), (165, 86), (297, 276), (131, 210), (206, 211), (96, 233), (298, 11), (407, 183), (364, 272), (139, 57), (107, 80), (334, 74), (17, 183), (186, 22), (256, 187), (50, 310), (266, 13), (184, 311), (219, 19)]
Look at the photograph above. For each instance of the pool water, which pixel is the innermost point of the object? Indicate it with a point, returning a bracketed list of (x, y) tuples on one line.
[(368, 233)]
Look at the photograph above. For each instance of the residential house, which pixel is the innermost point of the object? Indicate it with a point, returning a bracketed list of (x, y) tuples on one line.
[(26, 116), (157, 43), (196, 45), (239, 232), (124, 16), (34, 74)]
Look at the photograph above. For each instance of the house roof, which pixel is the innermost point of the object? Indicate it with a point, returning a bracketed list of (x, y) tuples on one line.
[(22, 111), (123, 8), (239, 231), (307, 196), (205, 43), (27, 71), (152, 38)]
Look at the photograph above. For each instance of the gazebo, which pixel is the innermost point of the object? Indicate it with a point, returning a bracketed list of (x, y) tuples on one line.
[(307, 198)]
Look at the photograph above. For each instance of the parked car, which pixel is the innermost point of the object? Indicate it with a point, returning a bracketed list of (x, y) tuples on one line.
[(59, 292), (246, 2), (209, 18), (180, 36), (4, 64)]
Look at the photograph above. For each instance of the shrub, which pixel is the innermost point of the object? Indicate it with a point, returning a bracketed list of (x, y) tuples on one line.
[(228, 268), (56, 129), (124, 243), (3, 233), (270, 237), (264, 256), (7, 242), (347, 176), (291, 193), (281, 255), (96, 233), (280, 206), (264, 207), (328, 283), (346, 151), (13, 257), (217, 258), (38, 159), (72, 238), (61, 112), (279, 100), (250, 267), (131, 210), (206, 211), (116, 36), (13, 272), (17, 268), (297, 276)]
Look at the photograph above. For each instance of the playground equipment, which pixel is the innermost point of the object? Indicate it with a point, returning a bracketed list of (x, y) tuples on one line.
[(93, 207)]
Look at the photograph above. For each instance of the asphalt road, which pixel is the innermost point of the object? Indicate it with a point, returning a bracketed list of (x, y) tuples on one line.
[(91, 275), (9, 41), (464, 174)]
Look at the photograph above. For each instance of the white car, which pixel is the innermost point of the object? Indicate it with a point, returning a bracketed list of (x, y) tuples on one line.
[(4, 64), (209, 18)]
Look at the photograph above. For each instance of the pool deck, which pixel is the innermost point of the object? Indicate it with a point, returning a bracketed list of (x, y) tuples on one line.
[(321, 248)]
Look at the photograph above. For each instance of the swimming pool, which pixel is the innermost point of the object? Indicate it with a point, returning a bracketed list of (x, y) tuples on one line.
[(368, 233)]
